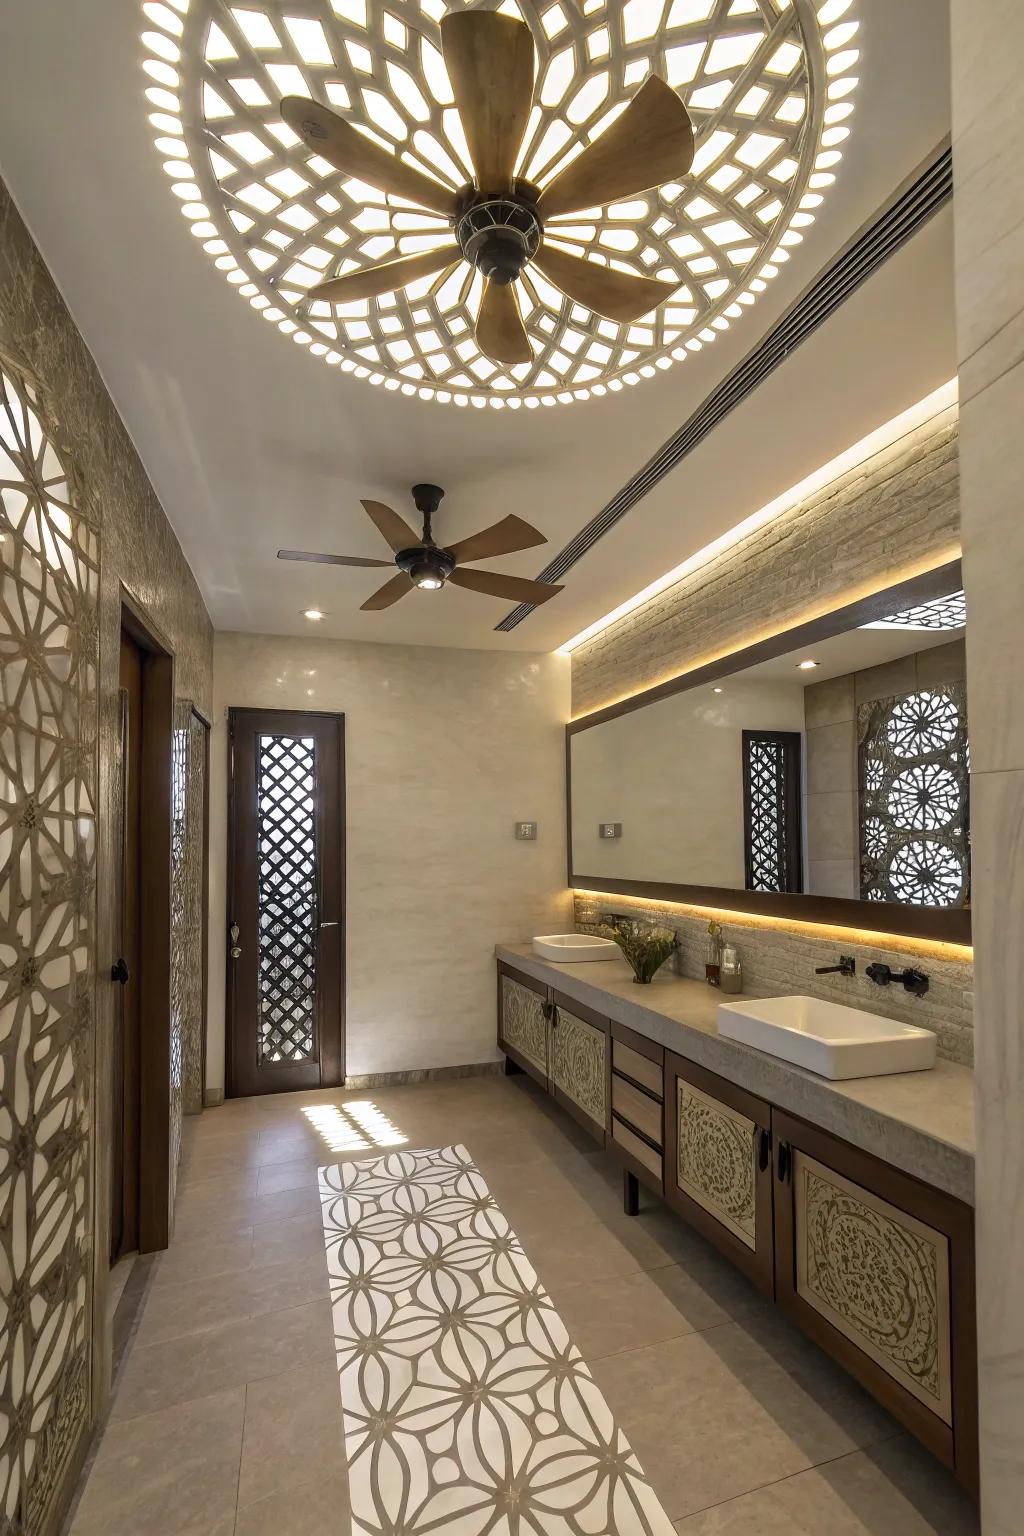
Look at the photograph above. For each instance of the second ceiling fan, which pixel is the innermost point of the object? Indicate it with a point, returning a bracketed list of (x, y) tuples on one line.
[(423, 563), (499, 219)]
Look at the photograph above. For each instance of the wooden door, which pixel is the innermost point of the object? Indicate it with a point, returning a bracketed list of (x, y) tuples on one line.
[(523, 1022), (286, 919), (578, 1063), (125, 1055), (718, 1172), (879, 1270)]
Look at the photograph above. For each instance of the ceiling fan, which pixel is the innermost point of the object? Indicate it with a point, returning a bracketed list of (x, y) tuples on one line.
[(499, 219), (422, 563)]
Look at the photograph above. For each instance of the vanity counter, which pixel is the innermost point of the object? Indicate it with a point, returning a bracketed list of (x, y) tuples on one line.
[(920, 1122)]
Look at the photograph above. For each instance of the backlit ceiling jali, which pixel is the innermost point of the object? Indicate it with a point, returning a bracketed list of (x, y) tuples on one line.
[(769, 85)]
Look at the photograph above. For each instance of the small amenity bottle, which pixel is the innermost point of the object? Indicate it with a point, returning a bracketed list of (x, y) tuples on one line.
[(732, 970), (713, 954)]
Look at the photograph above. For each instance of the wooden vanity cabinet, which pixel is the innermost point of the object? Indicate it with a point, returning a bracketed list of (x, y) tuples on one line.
[(560, 1043), (636, 1129), (718, 1165), (578, 1063), (878, 1269), (523, 1022)]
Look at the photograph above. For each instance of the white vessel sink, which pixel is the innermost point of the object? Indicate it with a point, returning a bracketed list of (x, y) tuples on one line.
[(828, 1038), (566, 947)]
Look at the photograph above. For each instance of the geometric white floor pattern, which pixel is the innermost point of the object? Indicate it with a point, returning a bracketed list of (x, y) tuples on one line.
[(468, 1411)]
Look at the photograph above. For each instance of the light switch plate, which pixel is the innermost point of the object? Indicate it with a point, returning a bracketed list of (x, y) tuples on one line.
[(607, 829), (526, 831)]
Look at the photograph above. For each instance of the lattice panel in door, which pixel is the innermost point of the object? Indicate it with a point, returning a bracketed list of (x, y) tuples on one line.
[(286, 898)]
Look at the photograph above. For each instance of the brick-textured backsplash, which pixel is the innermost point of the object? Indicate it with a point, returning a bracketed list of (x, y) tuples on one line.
[(780, 959), (898, 508)]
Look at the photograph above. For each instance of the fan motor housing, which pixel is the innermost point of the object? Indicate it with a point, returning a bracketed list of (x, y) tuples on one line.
[(499, 235), (426, 561)]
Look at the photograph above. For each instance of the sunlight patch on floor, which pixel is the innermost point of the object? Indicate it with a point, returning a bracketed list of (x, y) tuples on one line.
[(354, 1127)]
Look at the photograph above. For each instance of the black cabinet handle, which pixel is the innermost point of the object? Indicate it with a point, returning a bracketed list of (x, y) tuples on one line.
[(119, 972), (764, 1150), (785, 1162)]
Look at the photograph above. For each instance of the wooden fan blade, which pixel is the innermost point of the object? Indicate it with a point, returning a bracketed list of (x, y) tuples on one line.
[(352, 153), (500, 332), (615, 295), (490, 62), (647, 144), (315, 559), (494, 584), (389, 593), (385, 277), (394, 528), (502, 538)]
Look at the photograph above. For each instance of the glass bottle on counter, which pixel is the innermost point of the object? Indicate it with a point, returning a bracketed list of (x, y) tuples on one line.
[(713, 954), (732, 970)]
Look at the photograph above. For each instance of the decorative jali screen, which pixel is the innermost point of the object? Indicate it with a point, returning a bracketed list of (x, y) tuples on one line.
[(287, 898), (913, 770), (771, 810)]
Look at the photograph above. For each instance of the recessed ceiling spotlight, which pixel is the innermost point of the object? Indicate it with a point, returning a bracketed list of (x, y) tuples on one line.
[(806, 666), (719, 690), (314, 615)]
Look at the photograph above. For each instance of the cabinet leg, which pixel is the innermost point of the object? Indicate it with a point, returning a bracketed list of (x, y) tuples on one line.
[(630, 1192), (511, 1069)]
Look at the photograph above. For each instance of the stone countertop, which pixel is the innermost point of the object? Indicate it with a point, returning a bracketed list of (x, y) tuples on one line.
[(921, 1122)]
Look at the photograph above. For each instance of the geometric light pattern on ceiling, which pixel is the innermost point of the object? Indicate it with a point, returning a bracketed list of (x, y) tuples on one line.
[(767, 83), (940, 613)]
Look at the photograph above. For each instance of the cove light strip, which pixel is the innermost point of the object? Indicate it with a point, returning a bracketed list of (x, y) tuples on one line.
[(882, 437)]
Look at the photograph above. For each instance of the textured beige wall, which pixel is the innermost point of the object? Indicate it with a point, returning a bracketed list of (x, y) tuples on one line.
[(897, 512), (988, 208), (139, 549), (445, 750)]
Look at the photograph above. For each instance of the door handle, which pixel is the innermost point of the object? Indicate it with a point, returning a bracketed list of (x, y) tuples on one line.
[(785, 1161), (235, 950), (119, 971), (764, 1149), (332, 924)]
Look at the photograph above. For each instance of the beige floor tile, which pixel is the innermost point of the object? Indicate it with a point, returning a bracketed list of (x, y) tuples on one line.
[(179, 1370), (172, 1310), (297, 1173), (173, 1473), (318, 1509), (293, 1432), (716, 1414), (605, 1317), (895, 1489)]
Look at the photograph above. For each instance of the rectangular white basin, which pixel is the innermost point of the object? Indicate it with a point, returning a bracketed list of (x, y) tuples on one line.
[(828, 1038), (566, 947)]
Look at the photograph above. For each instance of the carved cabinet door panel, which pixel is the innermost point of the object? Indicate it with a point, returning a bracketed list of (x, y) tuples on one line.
[(878, 1270), (523, 1022), (718, 1165), (579, 1063)]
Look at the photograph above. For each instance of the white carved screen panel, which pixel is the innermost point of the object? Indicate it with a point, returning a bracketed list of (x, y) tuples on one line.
[(49, 569)]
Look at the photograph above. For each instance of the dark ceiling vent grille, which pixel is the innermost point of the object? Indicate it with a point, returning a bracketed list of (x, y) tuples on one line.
[(907, 212)]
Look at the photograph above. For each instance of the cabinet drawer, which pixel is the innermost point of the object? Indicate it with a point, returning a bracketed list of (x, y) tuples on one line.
[(640, 1068), (636, 1147), (637, 1108)]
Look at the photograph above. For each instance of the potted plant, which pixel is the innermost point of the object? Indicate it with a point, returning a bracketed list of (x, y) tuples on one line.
[(644, 945)]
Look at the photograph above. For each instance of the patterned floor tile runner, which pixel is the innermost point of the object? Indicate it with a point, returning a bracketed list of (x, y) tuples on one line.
[(467, 1408)]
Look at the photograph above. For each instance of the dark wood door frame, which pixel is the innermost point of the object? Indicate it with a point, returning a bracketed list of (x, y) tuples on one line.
[(332, 1044), (205, 983), (155, 924)]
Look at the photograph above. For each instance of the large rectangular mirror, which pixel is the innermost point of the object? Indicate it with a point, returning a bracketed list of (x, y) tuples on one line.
[(811, 774)]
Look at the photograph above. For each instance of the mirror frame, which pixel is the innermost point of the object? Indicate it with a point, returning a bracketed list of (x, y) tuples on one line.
[(950, 925)]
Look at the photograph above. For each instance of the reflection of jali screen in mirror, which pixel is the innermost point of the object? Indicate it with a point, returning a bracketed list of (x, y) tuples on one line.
[(914, 778)]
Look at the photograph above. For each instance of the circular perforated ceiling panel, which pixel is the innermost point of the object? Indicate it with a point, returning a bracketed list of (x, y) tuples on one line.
[(768, 84)]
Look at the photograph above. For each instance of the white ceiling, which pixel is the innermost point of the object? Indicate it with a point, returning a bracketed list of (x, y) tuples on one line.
[(252, 444)]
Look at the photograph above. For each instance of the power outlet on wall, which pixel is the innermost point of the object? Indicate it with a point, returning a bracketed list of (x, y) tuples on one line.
[(526, 831), (607, 829)]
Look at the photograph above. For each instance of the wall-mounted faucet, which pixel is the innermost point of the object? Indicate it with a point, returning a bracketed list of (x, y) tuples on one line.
[(883, 976), (847, 967)]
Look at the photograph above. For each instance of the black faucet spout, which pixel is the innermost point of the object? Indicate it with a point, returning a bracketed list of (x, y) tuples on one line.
[(847, 967)]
